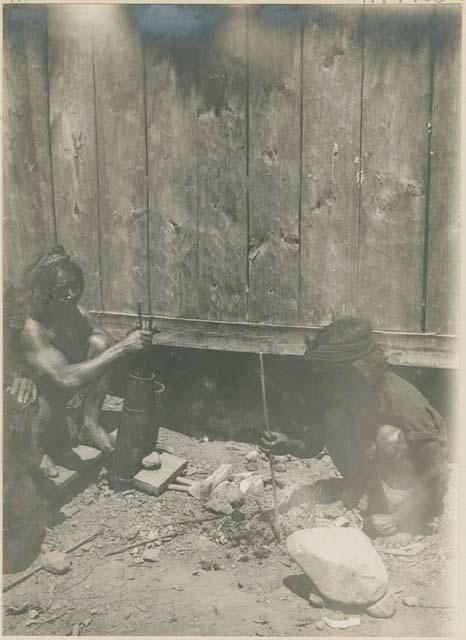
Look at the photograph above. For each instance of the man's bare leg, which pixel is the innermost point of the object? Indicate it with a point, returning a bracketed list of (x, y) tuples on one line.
[(92, 434), (51, 439)]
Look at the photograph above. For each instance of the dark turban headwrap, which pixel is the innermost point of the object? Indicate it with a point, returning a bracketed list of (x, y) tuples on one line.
[(345, 340), (42, 273)]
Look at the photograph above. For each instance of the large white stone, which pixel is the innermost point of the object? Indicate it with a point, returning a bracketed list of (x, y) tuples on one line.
[(342, 563)]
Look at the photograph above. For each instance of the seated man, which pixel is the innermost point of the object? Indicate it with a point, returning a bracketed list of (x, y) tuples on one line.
[(384, 437), (67, 353), (25, 506)]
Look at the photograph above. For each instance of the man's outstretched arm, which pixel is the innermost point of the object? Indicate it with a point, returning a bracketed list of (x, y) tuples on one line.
[(49, 362)]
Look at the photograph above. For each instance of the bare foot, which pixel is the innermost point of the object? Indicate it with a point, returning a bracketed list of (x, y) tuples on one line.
[(96, 436), (152, 461), (48, 468)]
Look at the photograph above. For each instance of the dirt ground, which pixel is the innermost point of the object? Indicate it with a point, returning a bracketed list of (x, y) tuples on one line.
[(217, 578)]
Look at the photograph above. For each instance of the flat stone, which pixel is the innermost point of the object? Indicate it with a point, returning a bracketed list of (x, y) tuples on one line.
[(252, 484), (341, 562), (151, 555), (219, 506)]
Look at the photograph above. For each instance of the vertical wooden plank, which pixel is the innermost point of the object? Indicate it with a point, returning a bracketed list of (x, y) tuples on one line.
[(332, 76), (73, 135), (222, 158), (172, 151), (274, 169), (396, 98), (444, 201), (28, 219), (121, 157)]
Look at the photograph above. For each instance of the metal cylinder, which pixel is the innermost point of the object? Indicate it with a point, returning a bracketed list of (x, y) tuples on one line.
[(138, 432)]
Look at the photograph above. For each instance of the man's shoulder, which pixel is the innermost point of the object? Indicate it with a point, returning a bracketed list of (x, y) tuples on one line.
[(34, 331)]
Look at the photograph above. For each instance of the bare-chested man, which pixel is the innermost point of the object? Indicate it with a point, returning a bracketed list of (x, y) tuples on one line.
[(68, 352), (382, 434)]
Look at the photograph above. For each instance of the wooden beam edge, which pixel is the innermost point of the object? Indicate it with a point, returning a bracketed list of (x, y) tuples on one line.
[(407, 349)]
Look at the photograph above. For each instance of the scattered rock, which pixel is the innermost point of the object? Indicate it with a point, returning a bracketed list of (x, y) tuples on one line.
[(33, 614), (228, 492), (411, 601), (56, 562), (131, 534), (69, 511), (151, 555), (280, 467), (75, 631), (320, 625), (152, 461), (252, 465), (316, 601), (252, 455), (88, 500), (341, 562), (383, 608), (341, 521), (251, 485), (219, 506)]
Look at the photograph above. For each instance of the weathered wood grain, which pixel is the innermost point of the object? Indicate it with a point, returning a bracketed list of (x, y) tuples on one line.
[(396, 92), (172, 105), (442, 313), (332, 76), (407, 349), (222, 174), (73, 140), (121, 157), (28, 218), (274, 170)]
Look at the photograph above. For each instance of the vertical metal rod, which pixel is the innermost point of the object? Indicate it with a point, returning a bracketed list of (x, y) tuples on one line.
[(269, 455)]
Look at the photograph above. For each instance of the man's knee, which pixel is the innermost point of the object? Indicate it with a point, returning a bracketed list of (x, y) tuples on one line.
[(390, 443), (98, 343)]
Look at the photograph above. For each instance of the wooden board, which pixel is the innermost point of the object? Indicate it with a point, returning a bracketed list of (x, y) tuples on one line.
[(157, 480), (332, 75), (88, 456), (407, 349), (222, 158), (28, 217), (121, 156), (442, 312), (172, 103), (274, 170), (73, 141), (395, 112)]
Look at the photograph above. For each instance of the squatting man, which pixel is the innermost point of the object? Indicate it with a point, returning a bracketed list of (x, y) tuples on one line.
[(68, 353), (384, 437)]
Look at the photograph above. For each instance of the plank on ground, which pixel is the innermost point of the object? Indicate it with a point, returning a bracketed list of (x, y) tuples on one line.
[(222, 158), (73, 136), (332, 75), (157, 480), (444, 201), (395, 112), (121, 157), (28, 219), (274, 170), (172, 105)]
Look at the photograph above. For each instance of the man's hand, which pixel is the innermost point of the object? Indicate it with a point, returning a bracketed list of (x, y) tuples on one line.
[(137, 340), (383, 524), (274, 442), (23, 392)]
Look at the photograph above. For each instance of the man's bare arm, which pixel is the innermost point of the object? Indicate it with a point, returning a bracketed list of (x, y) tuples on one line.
[(49, 362)]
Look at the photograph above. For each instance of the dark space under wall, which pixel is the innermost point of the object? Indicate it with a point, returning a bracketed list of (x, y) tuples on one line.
[(217, 394)]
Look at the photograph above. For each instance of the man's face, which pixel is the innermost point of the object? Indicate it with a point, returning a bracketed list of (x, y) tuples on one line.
[(67, 291)]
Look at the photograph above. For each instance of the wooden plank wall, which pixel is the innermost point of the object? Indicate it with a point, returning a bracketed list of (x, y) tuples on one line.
[(280, 171)]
